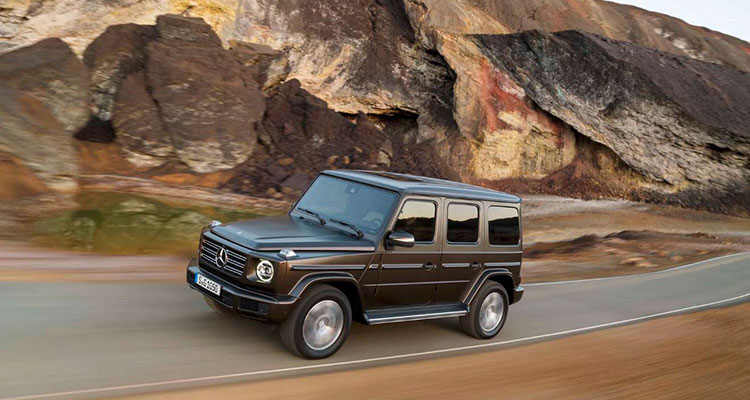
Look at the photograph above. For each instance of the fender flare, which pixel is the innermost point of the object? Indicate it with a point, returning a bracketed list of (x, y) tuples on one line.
[(486, 274), (324, 277)]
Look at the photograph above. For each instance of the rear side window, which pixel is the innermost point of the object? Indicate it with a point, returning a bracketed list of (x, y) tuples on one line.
[(418, 218), (463, 223), (504, 226)]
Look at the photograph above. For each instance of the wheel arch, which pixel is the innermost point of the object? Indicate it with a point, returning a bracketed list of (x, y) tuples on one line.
[(500, 275), (343, 281), (507, 282)]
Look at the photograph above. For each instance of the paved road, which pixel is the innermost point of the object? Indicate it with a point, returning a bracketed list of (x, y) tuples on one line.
[(58, 337)]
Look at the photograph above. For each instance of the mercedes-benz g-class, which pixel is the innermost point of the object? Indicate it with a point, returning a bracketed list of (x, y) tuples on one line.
[(371, 247)]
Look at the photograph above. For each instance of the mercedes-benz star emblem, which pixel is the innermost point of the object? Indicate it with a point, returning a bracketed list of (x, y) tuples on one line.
[(221, 258)]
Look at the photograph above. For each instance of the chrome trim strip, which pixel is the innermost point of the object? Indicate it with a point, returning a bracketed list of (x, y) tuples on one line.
[(236, 255), (416, 317), (503, 264), (233, 270), (402, 266), (403, 283), (328, 267), (456, 265), (449, 282)]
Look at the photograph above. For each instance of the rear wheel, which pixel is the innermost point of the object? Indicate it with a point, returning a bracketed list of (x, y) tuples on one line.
[(489, 309), (218, 307), (319, 325)]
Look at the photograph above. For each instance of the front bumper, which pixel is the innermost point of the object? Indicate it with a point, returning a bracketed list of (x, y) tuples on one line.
[(517, 294), (246, 302)]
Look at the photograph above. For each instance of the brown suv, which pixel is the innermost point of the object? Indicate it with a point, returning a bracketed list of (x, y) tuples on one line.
[(372, 247)]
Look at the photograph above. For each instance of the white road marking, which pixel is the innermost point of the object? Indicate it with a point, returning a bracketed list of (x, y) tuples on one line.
[(633, 275), (377, 359)]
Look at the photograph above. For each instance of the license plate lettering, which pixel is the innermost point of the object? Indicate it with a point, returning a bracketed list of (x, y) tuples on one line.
[(208, 284)]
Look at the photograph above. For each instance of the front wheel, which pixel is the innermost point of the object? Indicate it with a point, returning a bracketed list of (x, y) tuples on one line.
[(489, 309), (319, 324)]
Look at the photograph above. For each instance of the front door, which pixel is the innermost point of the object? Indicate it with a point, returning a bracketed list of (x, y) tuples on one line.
[(463, 253), (408, 276)]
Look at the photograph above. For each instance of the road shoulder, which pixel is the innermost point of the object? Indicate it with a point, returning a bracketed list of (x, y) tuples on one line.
[(701, 355)]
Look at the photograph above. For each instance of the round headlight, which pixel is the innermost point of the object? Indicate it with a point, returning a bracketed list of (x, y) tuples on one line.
[(264, 271)]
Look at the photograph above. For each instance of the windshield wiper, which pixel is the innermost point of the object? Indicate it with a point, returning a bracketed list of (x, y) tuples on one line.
[(314, 214), (360, 234)]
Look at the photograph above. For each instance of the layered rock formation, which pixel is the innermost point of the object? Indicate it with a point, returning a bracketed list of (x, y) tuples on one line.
[(675, 120), (283, 89), (613, 20), (43, 101)]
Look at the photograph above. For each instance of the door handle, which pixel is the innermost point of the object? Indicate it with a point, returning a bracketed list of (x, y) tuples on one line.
[(475, 265), (428, 266)]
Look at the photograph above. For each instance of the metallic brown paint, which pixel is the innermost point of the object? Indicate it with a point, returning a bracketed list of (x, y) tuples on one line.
[(375, 277)]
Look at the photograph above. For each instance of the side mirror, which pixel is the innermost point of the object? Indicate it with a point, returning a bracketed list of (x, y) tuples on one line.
[(399, 239)]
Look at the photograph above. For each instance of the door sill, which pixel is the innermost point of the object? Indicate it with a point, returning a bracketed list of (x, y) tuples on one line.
[(415, 313)]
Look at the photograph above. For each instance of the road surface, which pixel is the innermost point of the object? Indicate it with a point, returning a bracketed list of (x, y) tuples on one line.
[(90, 340)]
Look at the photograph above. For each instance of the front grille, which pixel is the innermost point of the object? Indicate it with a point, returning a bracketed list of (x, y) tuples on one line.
[(235, 259)]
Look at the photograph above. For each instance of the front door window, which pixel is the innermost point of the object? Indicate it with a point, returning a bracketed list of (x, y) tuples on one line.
[(418, 218), (408, 276)]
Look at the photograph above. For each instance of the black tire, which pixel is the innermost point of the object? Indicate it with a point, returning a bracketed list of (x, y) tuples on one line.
[(219, 308), (291, 329), (470, 323)]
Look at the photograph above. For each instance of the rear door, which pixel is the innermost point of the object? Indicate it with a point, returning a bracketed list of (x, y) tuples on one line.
[(463, 253), (408, 276)]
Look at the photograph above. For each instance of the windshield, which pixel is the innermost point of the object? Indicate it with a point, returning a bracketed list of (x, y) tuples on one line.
[(364, 206)]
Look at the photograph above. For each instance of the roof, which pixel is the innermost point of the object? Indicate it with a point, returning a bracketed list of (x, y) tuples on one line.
[(420, 185)]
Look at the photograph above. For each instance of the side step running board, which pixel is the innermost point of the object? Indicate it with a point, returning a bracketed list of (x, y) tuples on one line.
[(404, 314)]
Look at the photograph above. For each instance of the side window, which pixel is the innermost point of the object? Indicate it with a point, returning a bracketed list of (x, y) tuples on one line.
[(418, 218), (504, 226), (463, 223)]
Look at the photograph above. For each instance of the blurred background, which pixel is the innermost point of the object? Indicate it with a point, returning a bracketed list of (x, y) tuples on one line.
[(126, 126)]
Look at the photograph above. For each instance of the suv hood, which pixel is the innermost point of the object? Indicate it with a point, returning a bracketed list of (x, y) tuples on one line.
[(287, 232)]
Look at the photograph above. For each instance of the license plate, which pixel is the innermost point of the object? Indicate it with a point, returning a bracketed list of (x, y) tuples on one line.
[(208, 284)]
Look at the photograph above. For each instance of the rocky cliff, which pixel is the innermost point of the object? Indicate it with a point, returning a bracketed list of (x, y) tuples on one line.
[(255, 96), (678, 122)]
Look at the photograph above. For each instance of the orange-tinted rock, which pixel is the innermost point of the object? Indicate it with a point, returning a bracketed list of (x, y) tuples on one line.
[(17, 181)]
